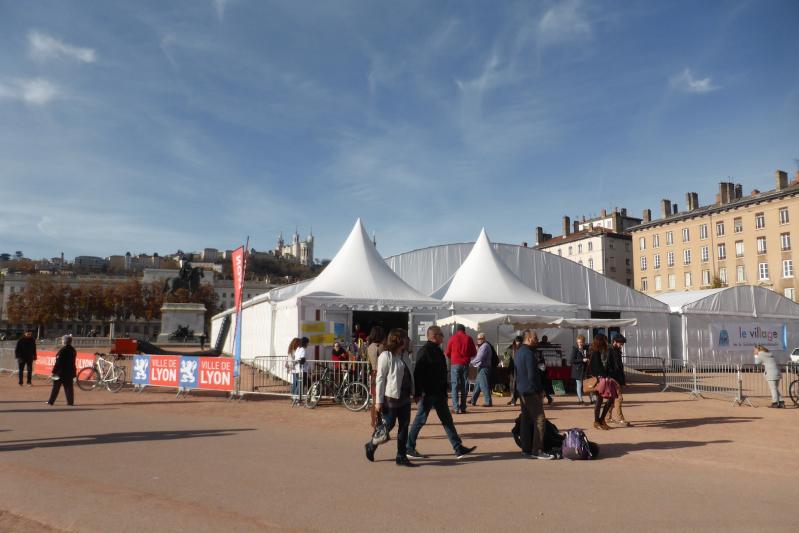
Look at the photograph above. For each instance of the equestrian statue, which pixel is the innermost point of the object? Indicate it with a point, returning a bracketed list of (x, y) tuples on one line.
[(188, 278)]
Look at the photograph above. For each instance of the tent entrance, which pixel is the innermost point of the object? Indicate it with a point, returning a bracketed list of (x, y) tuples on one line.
[(387, 319)]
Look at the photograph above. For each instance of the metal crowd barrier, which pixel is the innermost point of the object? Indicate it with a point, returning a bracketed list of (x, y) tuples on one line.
[(272, 375)]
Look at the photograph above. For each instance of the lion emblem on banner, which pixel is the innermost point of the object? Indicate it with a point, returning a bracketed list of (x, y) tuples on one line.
[(140, 369), (188, 371)]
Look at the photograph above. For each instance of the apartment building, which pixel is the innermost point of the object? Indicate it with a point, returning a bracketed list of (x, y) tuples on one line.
[(738, 240), (594, 244)]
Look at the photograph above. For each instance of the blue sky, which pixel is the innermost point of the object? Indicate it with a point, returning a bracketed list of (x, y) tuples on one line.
[(152, 126)]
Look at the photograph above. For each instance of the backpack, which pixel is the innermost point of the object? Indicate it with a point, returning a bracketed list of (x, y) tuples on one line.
[(553, 439), (576, 446)]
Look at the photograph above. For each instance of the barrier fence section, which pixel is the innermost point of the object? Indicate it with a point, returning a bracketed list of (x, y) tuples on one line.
[(273, 375), (184, 372), (45, 359)]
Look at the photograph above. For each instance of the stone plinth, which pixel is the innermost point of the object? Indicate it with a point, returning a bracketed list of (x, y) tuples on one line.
[(174, 315)]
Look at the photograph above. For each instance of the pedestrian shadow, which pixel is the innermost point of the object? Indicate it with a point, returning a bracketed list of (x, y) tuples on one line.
[(619, 449), (47, 410), (460, 422), (449, 459), (679, 423), (116, 438), (21, 401)]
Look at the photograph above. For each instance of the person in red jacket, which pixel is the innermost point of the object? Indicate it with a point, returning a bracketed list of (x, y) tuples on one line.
[(460, 351)]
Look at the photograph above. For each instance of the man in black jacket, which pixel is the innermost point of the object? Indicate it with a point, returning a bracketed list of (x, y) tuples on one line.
[(64, 372), (530, 370), (430, 379), (25, 352)]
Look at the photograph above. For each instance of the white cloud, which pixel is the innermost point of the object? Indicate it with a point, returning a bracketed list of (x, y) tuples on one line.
[(685, 81), (43, 47), (564, 22), (220, 6), (35, 91)]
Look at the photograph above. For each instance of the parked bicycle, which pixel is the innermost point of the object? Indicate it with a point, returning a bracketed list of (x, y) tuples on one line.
[(793, 391), (353, 394), (104, 372)]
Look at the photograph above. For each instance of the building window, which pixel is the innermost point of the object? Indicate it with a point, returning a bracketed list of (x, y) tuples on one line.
[(760, 221), (643, 263), (644, 285), (762, 270), (560, 252), (686, 257), (739, 248), (658, 284), (705, 278), (740, 274), (737, 225), (590, 246), (703, 231), (579, 248), (686, 235), (670, 259), (610, 244), (790, 293), (642, 243), (722, 251), (785, 241), (687, 279), (672, 281), (784, 218), (655, 241), (761, 245), (570, 250), (656, 261), (591, 263), (720, 229), (705, 252), (669, 238), (723, 275), (787, 268)]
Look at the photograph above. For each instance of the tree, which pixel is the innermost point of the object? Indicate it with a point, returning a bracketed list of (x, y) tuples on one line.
[(42, 303), (126, 300)]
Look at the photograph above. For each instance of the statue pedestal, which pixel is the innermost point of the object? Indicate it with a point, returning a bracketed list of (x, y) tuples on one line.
[(173, 315)]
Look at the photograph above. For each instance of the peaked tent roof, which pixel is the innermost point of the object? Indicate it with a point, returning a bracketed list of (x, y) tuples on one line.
[(484, 278), (741, 300), (358, 272)]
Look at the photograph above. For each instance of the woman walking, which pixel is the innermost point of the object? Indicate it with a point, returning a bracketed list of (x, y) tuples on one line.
[(579, 361), (377, 337), (394, 391)]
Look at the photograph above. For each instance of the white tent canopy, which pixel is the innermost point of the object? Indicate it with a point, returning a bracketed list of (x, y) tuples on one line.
[(587, 323), (479, 322)]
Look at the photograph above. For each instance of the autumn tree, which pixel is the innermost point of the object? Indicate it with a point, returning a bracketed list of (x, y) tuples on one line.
[(42, 303)]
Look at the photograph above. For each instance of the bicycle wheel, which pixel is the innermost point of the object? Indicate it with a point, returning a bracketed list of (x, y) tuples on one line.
[(314, 394), (793, 391), (88, 378), (116, 383), (356, 396)]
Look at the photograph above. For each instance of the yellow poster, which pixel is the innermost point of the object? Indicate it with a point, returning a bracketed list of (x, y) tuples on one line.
[(313, 327)]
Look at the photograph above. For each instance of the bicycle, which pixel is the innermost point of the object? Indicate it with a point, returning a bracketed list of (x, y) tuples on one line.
[(793, 391), (353, 394), (104, 372)]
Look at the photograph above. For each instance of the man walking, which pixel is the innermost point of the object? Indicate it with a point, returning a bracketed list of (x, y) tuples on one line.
[(616, 371), (25, 352), (460, 350), (430, 378), (64, 372), (530, 384), (482, 362)]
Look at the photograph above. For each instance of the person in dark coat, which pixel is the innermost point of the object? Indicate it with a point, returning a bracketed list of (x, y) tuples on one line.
[(64, 372), (600, 368), (617, 374), (579, 361), (530, 369), (25, 352)]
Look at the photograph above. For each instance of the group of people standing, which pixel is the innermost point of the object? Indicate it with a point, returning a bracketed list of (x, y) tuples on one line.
[(63, 372)]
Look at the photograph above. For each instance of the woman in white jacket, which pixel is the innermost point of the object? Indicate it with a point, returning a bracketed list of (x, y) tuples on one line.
[(394, 391), (771, 373)]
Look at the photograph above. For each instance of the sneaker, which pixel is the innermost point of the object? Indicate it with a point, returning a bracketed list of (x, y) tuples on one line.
[(464, 451), (781, 404), (30, 385), (774, 405), (414, 454), (624, 423), (403, 461), (370, 451), (542, 455)]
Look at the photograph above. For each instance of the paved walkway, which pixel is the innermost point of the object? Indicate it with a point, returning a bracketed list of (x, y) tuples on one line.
[(133, 462)]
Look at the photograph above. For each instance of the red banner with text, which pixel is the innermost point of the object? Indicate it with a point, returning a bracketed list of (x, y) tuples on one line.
[(45, 360)]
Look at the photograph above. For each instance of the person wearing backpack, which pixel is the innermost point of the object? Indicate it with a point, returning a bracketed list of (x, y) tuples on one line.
[(530, 370)]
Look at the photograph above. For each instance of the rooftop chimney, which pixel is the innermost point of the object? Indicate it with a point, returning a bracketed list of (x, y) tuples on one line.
[(665, 208), (739, 191), (539, 235), (782, 179), (617, 222), (566, 226), (724, 193), (524, 244), (647, 215), (624, 211), (796, 178), (576, 226), (691, 201), (674, 208), (604, 213)]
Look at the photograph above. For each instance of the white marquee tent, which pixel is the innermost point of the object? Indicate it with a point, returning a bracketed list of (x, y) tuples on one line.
[(724, 325)]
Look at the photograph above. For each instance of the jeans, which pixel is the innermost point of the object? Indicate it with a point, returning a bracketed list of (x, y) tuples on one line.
[(439, 403), (578, 383), (296, 386), (22, 364), (459, 374), (774, 387), (401, 416), (532, 414), (481, 385), (68, 391)]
